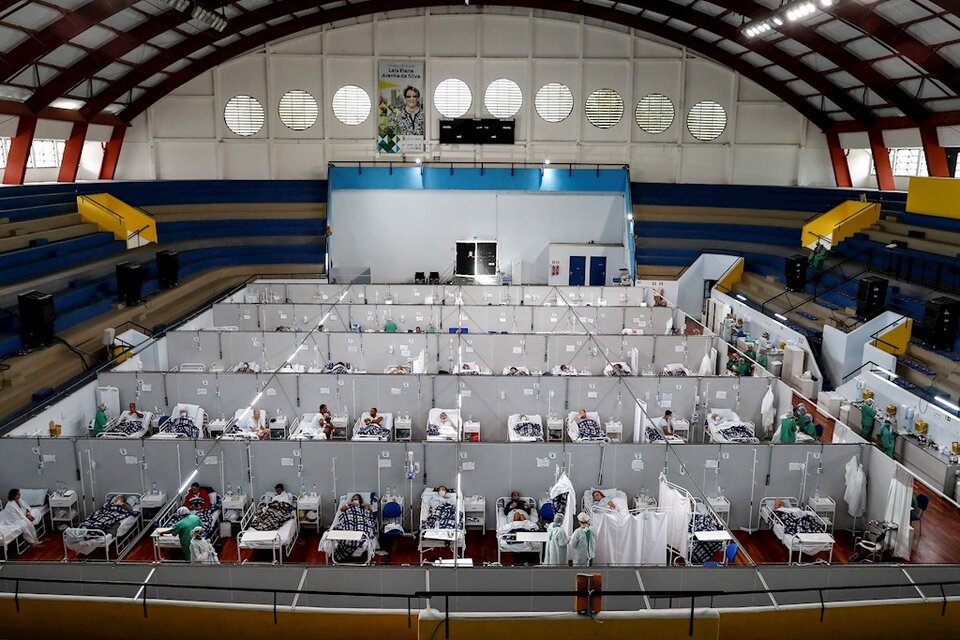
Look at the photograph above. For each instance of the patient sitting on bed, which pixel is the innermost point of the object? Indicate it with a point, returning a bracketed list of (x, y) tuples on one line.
[(598, 502), (519, 507), (441, 498), (445, 426), (356, 501), (373, 418), (398, 369), (516, 372), (131, 414)]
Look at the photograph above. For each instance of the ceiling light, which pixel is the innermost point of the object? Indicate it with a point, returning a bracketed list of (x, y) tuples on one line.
[(740, 296), (947, 403), (179, 5), (886, 372), (790, 12), (780, 317), (547, 161)]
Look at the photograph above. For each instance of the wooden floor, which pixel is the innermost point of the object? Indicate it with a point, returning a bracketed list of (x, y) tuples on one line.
[(937, 542)]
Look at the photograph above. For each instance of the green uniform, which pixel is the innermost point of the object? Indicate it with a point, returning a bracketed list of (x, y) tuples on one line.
[(184, 530), (818, 256), (743, 369), (99, 422), (788, 430), (390, 327), (731, 365), (914, 509), (763, 361), (868, 416), (808, 427), (751, 354), (887, 439), (431, 329)]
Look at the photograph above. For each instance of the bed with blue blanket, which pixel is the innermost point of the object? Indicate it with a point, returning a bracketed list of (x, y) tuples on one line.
[(725, 426), (525, 428), (441, 522), (209, 517), (192, 426), (509, 524), (361, 525), (785, 517), (703, 520), (586, 430), (338, 367), (128, 426), (111, 525), (373, 432)]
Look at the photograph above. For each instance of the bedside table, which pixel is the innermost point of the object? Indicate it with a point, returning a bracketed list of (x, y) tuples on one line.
[(471, 431), (825, 507), (151, 503), (614, 430), (721, 506), (339, 428), (554, 430), (234, 504), (403, 429), (304, 506), (216, 427), (475, 512), (278, 428), (64, 508)]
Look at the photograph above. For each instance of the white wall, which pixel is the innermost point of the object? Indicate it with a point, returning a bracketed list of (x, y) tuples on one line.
[(427, 225), (73, 413), (560, 254), (843, 352), (183, 135)]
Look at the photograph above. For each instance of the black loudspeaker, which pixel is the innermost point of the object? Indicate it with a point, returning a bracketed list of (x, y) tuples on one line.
[(941, 320), (36, 319), (129, 283), (796, 273), (168, 268), (871, 296)]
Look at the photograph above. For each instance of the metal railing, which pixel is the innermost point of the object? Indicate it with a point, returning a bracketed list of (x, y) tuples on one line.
[(705, 596)]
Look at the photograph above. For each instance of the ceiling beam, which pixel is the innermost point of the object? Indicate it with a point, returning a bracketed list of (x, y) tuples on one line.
[(13, 108), (104, 55), (894, 36), (351, 11), (60, 32), (839, 56)]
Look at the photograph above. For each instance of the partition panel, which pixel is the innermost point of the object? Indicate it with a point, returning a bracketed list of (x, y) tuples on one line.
[(607, 396), (23, 465), (281, 393), (242, 316), (637, 468), (241, 347), (117, 466), (192, 346), (559, 319), (170, 462)]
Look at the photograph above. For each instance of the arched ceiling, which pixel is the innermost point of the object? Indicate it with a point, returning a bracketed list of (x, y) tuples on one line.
[(853, 64)]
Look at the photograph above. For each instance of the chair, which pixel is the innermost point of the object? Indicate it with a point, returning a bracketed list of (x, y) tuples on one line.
[(730, 553), (419, 278), (923, 501), (819, 429), (434, 277), (392, 513), (547, 512)]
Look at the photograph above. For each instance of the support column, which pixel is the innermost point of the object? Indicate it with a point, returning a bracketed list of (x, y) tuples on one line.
[(70, 162), (933, 152), (881, 160), (841, 170), (111, 154), (20, 145)]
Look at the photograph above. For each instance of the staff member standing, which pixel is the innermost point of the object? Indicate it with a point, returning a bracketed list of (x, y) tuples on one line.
[(183, 529)]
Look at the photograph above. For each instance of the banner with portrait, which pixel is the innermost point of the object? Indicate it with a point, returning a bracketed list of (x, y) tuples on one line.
[(402, 123)]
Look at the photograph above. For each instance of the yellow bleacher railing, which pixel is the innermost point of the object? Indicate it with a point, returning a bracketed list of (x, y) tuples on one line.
[(840, 223), (127, 223), (731, 276)]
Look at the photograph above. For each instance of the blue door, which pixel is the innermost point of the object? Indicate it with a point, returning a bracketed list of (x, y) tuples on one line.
[(578, 270), (598, 271)]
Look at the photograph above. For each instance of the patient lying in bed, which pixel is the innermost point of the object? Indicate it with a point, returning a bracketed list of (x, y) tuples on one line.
[(602, 503), (445, 428), (516, 508)]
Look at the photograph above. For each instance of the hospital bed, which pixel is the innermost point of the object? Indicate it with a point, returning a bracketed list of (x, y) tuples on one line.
[(397, 369), (362, 433), (289, 367), (122, 427), (436, 434), (703, 520), (191, 367), (196, 426), (654, 434), (569, 372), (471, 369), (446, 529), (237, 430), (353, 533), (725, 426), (589, 434), (210, 517), (338, 367), (507, 528), (525, 428), (520, 371), (308, 427), (800, 530), (625, 369), (107, 527), (279, 539), (676, 370), (618, 497), (36, 501)]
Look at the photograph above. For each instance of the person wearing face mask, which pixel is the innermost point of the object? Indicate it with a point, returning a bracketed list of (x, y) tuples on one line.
[(443, 496), (183, 424)]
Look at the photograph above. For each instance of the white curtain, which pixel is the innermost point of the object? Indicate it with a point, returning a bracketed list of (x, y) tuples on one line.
[(564, 486), (677, 507), (897, 511), (706, 367), (855, 493), (767, 411), (654, 550)]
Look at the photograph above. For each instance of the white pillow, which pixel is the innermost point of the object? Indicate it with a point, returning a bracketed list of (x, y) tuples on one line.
[(134, 502), (33, 497)]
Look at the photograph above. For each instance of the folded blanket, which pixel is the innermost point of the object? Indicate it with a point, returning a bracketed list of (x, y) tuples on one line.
[(703, 551), (271, 516), (337, 367), (374, 430), (128, 427), (654, 436), (736, 432)]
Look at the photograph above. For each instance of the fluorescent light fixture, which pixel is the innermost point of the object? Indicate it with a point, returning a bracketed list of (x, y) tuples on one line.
[(947, 403), (740, 296), (547, 161), (186, 483), (419, 160), (791, 12), (67, 103), (884, 371), (892, 245), (780, 316)]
